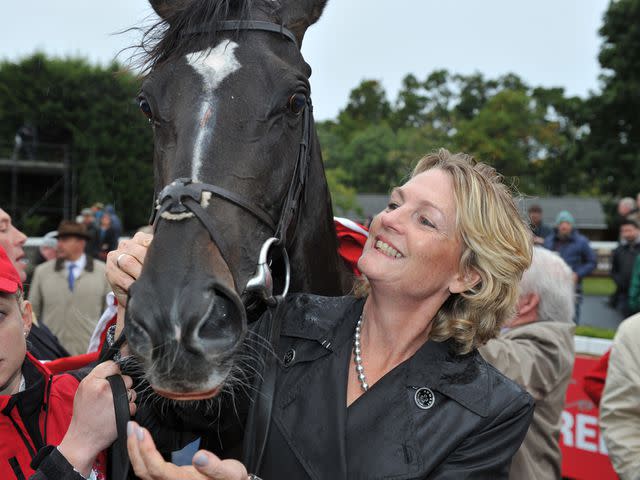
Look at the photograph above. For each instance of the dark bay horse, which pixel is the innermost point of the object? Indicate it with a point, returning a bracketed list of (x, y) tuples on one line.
[(238, 177)]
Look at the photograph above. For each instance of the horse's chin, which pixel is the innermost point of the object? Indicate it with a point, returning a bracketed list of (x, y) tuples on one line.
[(189, 396)]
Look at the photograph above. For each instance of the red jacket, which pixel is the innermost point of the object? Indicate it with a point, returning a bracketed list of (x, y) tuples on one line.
[(33, 418), (593, 381)]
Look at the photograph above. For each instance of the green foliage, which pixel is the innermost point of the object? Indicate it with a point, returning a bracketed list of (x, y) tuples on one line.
[(369, 166), (343, 198), (33, 224), (91, 111), (530, 135), (612, 148)]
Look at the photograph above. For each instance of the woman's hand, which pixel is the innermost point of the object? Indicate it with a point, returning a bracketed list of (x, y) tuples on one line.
[(93, 425), (123, 268), (148, 464), (125, 264)]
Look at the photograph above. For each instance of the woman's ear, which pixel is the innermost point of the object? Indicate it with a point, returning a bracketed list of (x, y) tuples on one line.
[(465, 281), (27, 316)]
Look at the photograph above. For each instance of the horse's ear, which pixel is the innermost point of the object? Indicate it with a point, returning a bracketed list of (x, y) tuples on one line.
[(166, 8), (298, 15)]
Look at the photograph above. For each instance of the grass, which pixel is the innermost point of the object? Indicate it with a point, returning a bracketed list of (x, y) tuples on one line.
[(601, 286), (595, 332)]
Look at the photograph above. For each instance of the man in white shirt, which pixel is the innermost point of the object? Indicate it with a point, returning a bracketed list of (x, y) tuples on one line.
[(68, 293)]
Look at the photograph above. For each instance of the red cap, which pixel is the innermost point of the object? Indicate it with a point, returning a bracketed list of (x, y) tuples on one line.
[(9, 278)]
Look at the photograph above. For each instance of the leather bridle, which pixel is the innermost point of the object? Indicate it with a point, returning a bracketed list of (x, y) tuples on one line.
[(183, 197)]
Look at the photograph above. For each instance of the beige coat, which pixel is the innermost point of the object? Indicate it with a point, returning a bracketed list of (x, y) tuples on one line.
[(620, 404), (539, 357), (71, 316)]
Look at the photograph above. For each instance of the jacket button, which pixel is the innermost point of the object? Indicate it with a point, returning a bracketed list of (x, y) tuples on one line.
[(288, 357), (424, 398)]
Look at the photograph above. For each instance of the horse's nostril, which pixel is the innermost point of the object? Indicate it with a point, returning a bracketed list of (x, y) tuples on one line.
[(219, 330), (220, 318)]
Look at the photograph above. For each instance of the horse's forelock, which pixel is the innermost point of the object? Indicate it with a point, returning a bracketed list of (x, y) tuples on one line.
[(168, 38)]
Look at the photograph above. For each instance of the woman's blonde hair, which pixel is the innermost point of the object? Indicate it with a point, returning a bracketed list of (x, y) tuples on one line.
[(495, 243)]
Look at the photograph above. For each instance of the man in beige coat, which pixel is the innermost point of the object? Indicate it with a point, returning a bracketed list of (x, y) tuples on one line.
[(620, 404), (68, 293), (536, 350)]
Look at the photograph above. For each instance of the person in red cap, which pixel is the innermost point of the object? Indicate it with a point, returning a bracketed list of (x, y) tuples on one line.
[(36, 407), (42, 344)]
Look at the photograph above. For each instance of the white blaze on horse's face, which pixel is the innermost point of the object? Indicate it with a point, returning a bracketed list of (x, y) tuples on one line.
[(213, 66)]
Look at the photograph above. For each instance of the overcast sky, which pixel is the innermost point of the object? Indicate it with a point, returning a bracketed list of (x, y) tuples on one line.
[(546, 42)]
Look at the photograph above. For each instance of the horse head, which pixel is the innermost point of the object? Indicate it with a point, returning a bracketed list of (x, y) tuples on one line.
[(238, 176)]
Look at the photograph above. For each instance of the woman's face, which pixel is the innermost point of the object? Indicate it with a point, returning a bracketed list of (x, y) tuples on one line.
[(413, 247), (13, 345)]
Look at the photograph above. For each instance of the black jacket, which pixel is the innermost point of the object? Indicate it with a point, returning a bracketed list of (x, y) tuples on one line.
[(477, 422), (622, 261)]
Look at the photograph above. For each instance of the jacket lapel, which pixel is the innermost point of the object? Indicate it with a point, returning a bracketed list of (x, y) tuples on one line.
[(462, 378), (313, 387)]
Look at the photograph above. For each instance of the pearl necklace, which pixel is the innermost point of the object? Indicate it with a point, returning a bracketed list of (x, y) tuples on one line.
[(357, 355)]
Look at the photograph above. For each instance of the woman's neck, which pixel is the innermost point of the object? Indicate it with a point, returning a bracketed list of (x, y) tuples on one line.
[(396, 329)]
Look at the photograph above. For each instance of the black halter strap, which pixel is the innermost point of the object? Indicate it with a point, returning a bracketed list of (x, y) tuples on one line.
[(183, 195)]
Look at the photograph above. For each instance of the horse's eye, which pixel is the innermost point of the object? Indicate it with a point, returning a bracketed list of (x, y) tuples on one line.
[(145, 107), (297, 102)]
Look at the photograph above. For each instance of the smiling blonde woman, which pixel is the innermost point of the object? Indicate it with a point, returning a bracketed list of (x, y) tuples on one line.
[(388, 383)]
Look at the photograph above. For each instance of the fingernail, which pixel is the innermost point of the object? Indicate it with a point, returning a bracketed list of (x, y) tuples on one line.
[(200, 459), (140, 433), (146, 242), (129, 428)]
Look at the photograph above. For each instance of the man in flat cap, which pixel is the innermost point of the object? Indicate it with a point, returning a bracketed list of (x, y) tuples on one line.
[(574, 249), (68, 293)]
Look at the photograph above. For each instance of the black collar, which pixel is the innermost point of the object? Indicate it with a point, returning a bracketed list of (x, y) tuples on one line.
[(330, 321)]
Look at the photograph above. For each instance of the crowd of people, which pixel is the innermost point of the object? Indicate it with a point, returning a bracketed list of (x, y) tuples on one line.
[(574, 248), (492, 303)]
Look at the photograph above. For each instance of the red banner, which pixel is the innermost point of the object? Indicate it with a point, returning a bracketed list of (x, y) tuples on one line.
[(584, 454)]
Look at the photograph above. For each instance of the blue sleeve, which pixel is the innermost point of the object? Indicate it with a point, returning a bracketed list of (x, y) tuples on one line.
[(589, 260)]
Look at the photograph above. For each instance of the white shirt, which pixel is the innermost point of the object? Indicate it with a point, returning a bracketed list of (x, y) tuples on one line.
[(80, 263)]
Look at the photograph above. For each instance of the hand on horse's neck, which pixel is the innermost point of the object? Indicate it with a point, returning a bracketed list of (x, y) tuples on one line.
[(390, 335)]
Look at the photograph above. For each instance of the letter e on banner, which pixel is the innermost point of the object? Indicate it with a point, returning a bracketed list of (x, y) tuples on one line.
[(586, 434)]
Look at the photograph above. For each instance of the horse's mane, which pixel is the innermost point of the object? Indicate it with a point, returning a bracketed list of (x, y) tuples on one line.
[(170, 38)]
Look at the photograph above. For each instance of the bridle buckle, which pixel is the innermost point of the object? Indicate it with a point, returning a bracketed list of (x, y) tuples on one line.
[(262, 282)]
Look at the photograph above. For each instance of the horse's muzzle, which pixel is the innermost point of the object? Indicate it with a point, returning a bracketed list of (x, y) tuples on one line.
[(187, 342)]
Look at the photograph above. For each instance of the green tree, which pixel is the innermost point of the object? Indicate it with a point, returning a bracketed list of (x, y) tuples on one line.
[(343, 197), (409, 105), (612, 148), (90, 110), (367, 159), (367, 105), (513, 135)]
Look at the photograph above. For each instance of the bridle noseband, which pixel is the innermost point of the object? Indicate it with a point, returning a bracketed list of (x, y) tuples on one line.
[(184, 198)]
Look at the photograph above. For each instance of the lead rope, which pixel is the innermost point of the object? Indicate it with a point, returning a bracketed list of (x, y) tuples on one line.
[(259, 418), (118, 456)]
